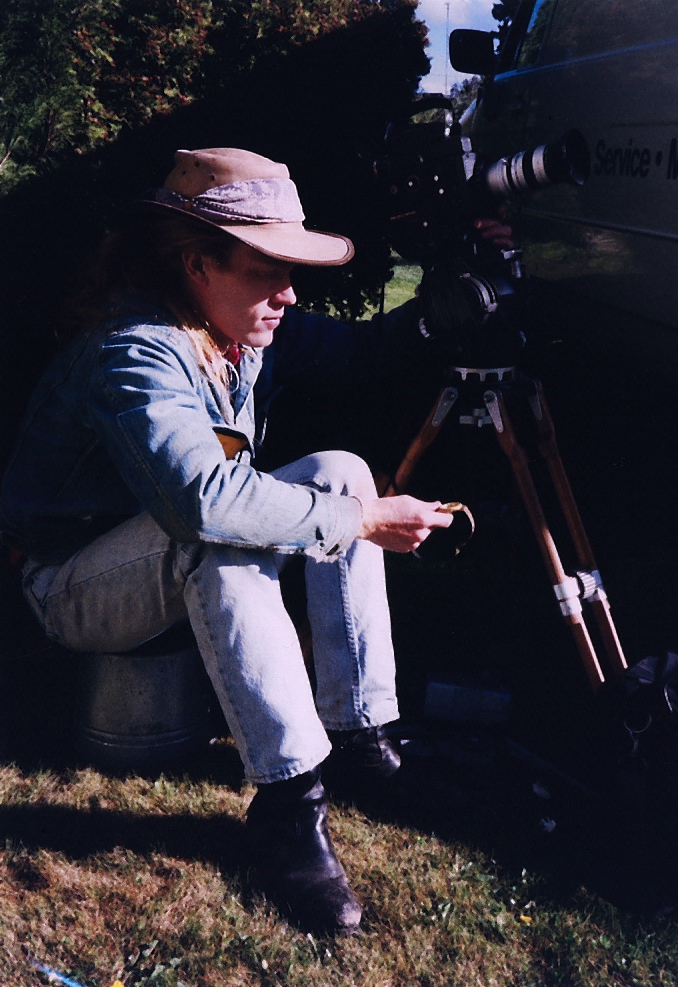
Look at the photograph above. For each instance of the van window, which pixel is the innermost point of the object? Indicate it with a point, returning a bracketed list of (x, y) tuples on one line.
[(592, 27), (534, 35)]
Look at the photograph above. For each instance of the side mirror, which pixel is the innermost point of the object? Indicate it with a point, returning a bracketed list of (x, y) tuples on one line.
[(473, 52)]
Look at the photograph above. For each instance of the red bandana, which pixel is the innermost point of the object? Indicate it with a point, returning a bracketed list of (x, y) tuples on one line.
[(232, 353)]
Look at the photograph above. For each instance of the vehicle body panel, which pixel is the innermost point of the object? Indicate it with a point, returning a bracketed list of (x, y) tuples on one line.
[(614, 239)]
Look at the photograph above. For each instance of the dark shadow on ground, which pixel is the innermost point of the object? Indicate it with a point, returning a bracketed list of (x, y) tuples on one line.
[(79, 834)]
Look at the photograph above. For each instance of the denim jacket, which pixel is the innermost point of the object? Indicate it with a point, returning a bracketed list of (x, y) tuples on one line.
[(124, 420)]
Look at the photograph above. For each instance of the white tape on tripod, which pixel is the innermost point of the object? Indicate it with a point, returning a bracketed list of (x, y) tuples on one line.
[(567, 594)]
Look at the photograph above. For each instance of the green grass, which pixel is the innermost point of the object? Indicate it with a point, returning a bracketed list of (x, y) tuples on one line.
[(137, 879), (400, 288)]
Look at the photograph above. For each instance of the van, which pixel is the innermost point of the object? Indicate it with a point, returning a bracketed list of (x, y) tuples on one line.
[(608, 68)]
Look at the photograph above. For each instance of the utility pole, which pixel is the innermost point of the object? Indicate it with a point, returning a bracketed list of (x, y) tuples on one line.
[(447, 44)]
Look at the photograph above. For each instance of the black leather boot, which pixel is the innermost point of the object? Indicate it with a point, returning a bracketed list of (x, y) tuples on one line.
[(293, 858), (361, 756)]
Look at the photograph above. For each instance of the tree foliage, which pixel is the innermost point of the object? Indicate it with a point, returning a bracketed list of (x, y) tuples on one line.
[(74, 76), (504, 12), (463, 93)]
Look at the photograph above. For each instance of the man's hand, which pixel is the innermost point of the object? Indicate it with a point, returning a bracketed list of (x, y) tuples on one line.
[(401, 524), (495, 231)]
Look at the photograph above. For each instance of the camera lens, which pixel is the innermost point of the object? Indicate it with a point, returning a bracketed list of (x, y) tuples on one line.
[(564, 160)]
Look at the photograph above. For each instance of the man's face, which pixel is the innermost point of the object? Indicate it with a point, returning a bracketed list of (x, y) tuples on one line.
[(244, 301)]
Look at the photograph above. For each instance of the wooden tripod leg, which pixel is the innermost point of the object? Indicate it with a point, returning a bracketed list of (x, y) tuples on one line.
[(598, 601), (427, 433), (565, 587), (600, 607)]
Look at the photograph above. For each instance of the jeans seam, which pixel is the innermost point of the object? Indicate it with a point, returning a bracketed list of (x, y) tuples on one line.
[(349, 627), (184, 550), (213, 645), (106, 572)]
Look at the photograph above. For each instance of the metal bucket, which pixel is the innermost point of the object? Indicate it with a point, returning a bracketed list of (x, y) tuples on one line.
[(144, 709)]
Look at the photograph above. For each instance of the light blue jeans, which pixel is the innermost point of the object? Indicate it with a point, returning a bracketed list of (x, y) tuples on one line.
[(134, 582)]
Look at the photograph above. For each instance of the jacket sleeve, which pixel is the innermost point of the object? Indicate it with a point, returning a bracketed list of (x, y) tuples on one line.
[(144, 400)]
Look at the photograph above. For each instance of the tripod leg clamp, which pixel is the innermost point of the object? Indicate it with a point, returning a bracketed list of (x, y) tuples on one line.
[(567, 594), (445, 402), (591, 585)]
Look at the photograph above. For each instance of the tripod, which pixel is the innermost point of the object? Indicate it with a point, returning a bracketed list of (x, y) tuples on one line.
[(585, 586)]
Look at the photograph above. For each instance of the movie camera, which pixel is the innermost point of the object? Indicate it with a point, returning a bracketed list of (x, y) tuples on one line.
[(434, 186)]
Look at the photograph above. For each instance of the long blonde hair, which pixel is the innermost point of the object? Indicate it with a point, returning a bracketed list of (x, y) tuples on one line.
[(144, 256)]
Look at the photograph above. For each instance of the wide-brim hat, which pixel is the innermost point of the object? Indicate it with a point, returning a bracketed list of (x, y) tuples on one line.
[(253, 199)]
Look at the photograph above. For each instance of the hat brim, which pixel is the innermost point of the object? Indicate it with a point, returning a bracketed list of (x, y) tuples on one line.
[(290, 242)]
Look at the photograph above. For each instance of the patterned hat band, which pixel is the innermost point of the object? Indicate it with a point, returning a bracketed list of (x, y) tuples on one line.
[(257, 200)]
